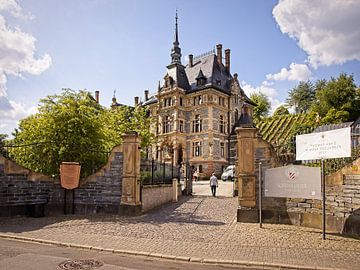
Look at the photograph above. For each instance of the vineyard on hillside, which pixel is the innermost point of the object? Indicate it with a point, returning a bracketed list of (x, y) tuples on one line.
[(280, 132)]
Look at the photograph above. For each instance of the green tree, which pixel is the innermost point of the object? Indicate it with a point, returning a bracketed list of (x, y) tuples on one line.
[(281, 110), (263, 106), (339, 96), (2, 144), (301, 97), (123, 119), (67, 128), (73, 127)]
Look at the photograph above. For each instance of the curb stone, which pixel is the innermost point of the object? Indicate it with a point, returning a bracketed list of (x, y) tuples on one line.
[(249, 264)]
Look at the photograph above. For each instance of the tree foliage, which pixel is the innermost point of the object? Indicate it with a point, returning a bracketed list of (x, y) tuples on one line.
[(2, 144), (71, 126), (326, 102), (281, 110), (337, 99), (263, 106), (301, 97)]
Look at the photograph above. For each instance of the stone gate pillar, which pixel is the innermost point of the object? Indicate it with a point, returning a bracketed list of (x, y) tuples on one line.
[(247, 211), (130, 199)]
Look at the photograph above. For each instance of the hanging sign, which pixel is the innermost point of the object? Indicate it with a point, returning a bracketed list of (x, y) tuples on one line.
[(322, 145), (70, 174), (293, 181)]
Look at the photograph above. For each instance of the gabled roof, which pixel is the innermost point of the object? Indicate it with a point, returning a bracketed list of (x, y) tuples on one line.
[(200, 75)]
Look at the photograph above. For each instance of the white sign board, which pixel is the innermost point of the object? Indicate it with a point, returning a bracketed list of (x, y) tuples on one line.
[(328, 144), (293, 181)]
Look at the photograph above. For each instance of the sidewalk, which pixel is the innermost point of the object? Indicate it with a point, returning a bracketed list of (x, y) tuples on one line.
[(201, 229)]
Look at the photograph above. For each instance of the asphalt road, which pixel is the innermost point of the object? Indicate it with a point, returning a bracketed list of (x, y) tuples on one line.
[(19, 255)]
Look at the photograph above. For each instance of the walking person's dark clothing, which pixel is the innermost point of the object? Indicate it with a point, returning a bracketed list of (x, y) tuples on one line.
[(213, 184)]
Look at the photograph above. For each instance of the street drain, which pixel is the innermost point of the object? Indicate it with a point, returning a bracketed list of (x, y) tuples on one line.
[(82, 264)]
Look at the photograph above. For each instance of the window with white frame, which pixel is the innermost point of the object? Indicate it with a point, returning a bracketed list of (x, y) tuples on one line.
[(167, 125), (222, 149), (197, 124), (197, 149)]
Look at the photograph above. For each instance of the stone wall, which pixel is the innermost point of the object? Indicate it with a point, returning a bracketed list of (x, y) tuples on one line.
[(22, 191), (342, 203), (156, 195), (342, 193), (101, 192)]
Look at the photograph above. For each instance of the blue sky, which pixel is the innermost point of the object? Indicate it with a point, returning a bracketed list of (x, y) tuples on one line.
[(46, 45)]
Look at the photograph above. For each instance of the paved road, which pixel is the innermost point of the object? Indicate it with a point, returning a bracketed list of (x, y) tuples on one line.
[(202, 188), (20, 255), (198, 228)]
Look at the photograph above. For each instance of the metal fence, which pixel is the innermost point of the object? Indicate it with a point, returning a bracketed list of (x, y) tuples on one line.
[(154, 172), (39, 150)]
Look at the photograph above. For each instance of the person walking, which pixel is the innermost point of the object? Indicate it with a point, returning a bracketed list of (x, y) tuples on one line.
[(213, 184)]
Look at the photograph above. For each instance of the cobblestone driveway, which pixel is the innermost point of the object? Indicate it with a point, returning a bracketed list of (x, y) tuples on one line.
[(197, 227)]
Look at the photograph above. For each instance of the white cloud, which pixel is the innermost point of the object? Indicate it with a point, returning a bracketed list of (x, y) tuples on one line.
[(296, 72), (267, 83), (13, 7), (17, 58), (249, 89), (328, 31), (270, 92)]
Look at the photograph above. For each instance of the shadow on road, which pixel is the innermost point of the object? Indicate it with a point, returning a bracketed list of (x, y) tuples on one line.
[(185, 211)]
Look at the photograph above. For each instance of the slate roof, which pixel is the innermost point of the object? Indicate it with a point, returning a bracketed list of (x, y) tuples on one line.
[(215, 73), (151, 100), (178, 73)]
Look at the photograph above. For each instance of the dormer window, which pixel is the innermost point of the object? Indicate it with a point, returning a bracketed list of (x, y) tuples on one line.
[(200, 79), (218, 82)]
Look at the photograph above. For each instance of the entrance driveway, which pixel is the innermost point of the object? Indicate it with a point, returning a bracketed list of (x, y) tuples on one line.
[(202, 188), (198, 228)]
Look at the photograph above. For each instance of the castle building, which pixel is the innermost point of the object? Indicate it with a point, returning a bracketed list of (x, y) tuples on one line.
[(196, 110)]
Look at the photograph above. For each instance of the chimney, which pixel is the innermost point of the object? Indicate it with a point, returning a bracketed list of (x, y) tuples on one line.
[(97, 96), (219, 53), (227, 60), (191, 57), (146, 92), (136, 101)]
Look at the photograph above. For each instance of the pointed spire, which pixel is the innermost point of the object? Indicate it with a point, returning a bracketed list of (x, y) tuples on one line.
[(176, 41), (176, 51), (114, 98)]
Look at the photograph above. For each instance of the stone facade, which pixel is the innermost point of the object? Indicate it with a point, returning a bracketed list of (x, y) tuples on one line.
[(195, 110)]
